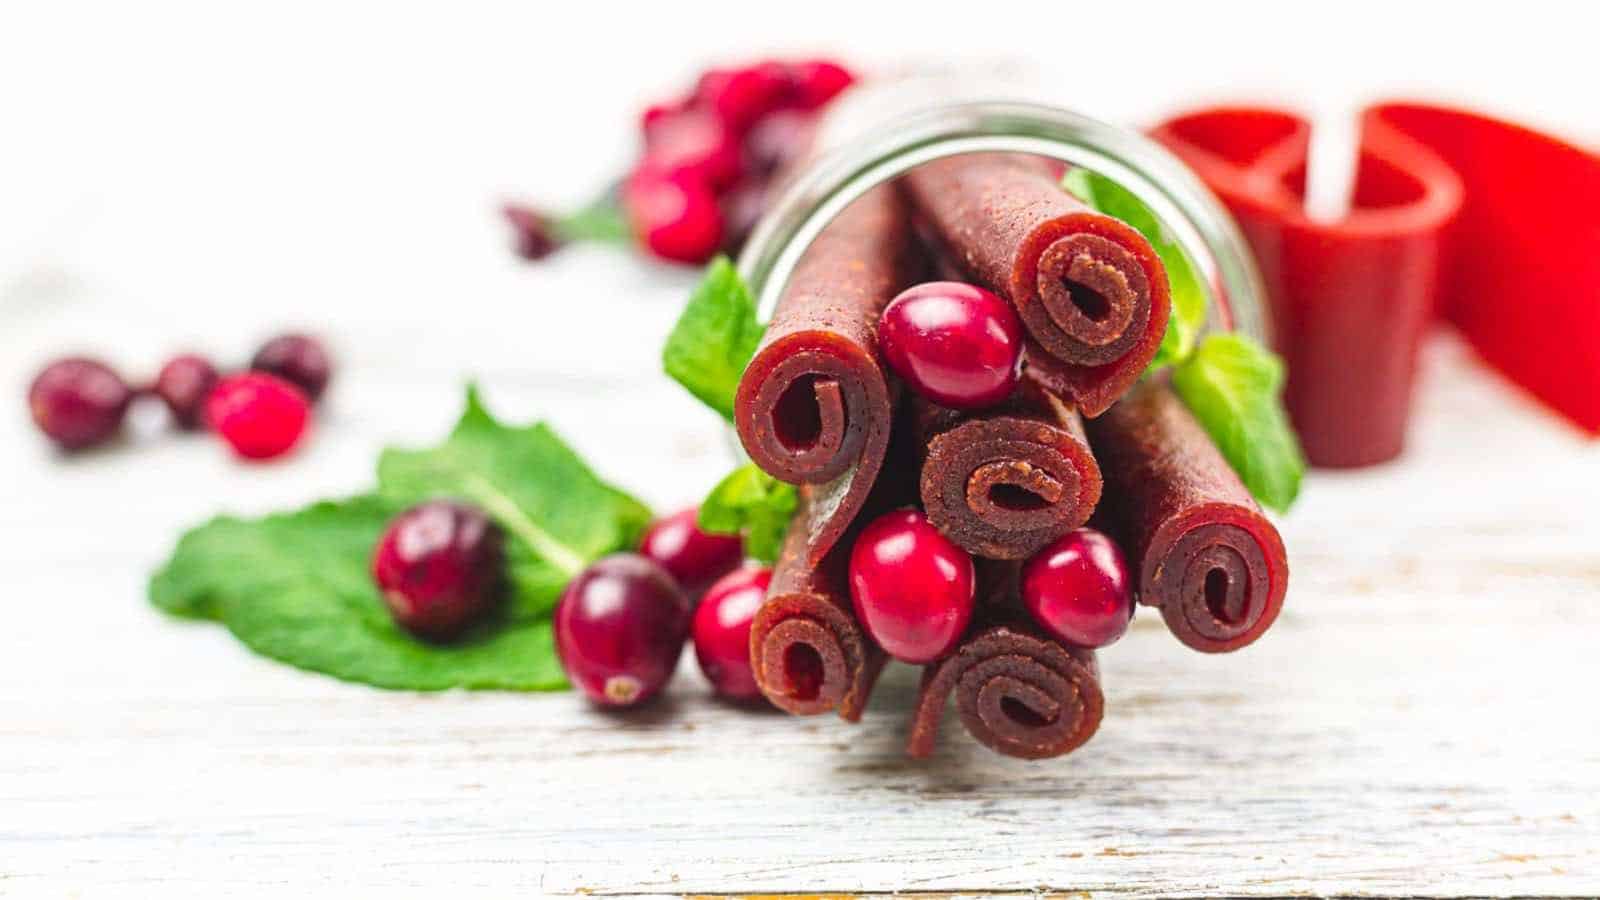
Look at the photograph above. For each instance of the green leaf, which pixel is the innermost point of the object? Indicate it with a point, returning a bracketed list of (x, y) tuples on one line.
[(295, 587), (559, 514), (714, 339), (1232, 384), (600, 222), (752, 503), (1188, 291)]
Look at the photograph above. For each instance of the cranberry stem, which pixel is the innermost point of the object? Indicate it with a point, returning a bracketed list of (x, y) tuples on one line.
[(601, 221), (511, 517)]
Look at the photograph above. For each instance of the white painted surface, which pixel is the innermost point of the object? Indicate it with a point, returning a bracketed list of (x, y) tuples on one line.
[(1423, 719)]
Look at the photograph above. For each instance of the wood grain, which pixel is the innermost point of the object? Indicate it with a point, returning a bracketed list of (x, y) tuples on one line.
[(1423, 719)]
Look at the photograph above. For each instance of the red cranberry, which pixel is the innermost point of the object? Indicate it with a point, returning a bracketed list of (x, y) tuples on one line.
[(1078, 589), (674, 216), (78, 402), (535, 233), (693, 143), (721, 631), (818, 81), (655, 112), (183, 384), (742, 207), (741, 96), (259, 415), (440, 567), (298, 359), (912, 587), (956, 344), (778, 140), (691, 556), (620, 628)]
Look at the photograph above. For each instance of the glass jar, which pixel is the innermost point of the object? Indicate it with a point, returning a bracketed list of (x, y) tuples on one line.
[(875, 148)]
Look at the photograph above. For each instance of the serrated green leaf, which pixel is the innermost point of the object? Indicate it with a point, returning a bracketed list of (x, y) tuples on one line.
[(752, 503), (1232, 385), (1188, 291), (714, 338), (295, 587)]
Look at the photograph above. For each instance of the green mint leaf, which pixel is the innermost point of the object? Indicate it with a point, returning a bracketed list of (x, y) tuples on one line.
[(602, 221), (1232, 385), (558, 514), (1188, 291), (752, 503), (714, 339), (295, 587)]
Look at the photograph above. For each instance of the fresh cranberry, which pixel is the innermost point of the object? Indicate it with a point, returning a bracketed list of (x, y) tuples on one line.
[(741, 96), (298, 359), (912, 587), (78, 402), (721, 631), (818, 81), (1078, 589), (676, 217), (440, 567), (778, 140), (691, 556), (535, 233), (955, 344), (259, 415), (694, 143), (183, 384), (620, 628)]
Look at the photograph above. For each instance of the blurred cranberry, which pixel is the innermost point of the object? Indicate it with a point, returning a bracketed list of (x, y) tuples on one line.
[(741, 96), (183, 384), (78, 402), (778, 140), (693, 557), (439, 567), (535, 233), (694, 143), (742, 208), (260, 415), (299, 359), (655, 112), (675, 216), (818, 81)]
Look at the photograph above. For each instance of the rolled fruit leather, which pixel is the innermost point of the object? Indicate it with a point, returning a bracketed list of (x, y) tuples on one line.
[(1004, 482), (1018, 691), (815, 406), (1352, 298), (808, 652), (1091, 292), (1198, 545)]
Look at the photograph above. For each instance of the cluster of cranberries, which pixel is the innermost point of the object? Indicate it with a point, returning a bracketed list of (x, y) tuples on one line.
[(709, 158), (621, 623), (262, 412)]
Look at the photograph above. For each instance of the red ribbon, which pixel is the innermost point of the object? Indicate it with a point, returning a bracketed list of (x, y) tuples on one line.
[(1491, 225)]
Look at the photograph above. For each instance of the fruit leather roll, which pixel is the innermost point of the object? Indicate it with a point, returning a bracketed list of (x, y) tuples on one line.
[(1018, 691), (1004, 482), (815, 406), (1199, 547), (1090, 290), (808, 652)]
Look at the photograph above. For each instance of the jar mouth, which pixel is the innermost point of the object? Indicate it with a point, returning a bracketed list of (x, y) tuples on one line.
[(1186, 209)]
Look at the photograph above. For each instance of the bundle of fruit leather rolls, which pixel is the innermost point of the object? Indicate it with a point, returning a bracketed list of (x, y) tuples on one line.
[(951, 440)]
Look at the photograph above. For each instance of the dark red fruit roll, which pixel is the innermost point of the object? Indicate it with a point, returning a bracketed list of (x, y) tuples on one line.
[(809, 653), (1090, 290), (1005, 482), (78, 402), (1351, 299), (1017, 691), (1200, 549), (815, 406)]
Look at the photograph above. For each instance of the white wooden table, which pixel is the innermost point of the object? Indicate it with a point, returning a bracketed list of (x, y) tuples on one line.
[(1423, 718)]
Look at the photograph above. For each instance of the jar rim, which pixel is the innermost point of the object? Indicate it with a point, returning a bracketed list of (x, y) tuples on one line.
[(1186, 209)]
